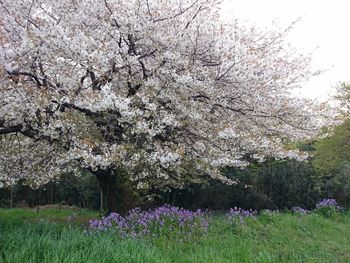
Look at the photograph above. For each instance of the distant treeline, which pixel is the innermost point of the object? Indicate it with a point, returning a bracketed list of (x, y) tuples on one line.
[(273, 185)]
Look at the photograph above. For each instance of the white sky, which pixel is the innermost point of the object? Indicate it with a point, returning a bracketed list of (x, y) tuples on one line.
[(324, 29)]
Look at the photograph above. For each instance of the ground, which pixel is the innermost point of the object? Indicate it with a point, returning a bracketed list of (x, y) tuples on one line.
[(61, 235)]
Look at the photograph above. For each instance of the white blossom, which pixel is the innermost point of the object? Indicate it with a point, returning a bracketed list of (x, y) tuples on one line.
[(161, 88)]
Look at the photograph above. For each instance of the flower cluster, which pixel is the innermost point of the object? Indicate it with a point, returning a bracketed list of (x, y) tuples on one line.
[(180, 89), (327, 208), (328, 203), (164, 221), (299, 210), (238, 214)]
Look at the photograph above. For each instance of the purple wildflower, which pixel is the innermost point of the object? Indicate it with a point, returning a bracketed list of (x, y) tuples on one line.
[(299, 210), (330, 203), (240, 214), (158, 222)]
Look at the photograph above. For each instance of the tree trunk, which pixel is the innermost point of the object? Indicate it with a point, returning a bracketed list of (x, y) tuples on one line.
[(101, 198), (117, 194), (107, 180), (11, 196)]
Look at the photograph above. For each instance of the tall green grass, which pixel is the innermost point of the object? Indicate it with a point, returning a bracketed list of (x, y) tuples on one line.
[(48, 236)]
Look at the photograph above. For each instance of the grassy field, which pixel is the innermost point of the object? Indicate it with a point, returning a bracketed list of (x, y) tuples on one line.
[(54, 235)]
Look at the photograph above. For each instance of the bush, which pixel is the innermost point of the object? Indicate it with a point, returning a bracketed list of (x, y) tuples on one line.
[(259, 201)]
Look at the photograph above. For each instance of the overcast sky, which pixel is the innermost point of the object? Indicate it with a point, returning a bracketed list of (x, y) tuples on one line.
[(324, 28)]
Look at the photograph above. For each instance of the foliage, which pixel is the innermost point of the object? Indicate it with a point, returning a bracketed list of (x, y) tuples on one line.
[(269, 185), (70, 190), (343, 98), (272, 185), (332, 161), (332, 154)]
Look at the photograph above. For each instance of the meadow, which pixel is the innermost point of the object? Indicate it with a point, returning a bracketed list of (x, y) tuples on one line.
[(55, 235)]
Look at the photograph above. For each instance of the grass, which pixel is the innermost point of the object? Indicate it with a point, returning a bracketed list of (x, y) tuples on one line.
[(53, 214), (48, 236)]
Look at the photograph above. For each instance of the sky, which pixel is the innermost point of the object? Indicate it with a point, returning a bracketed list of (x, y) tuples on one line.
[(324, 29)]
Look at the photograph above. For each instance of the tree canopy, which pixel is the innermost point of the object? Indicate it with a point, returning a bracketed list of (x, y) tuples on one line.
[(158, 88)]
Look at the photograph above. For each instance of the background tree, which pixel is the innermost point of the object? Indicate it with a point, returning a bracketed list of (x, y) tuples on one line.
[(332, 155), (156, 89), (269, 185)]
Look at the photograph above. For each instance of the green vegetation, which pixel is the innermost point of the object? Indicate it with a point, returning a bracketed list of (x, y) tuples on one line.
[(52, 214), (270, 185), (332, 162), (54, 235)]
